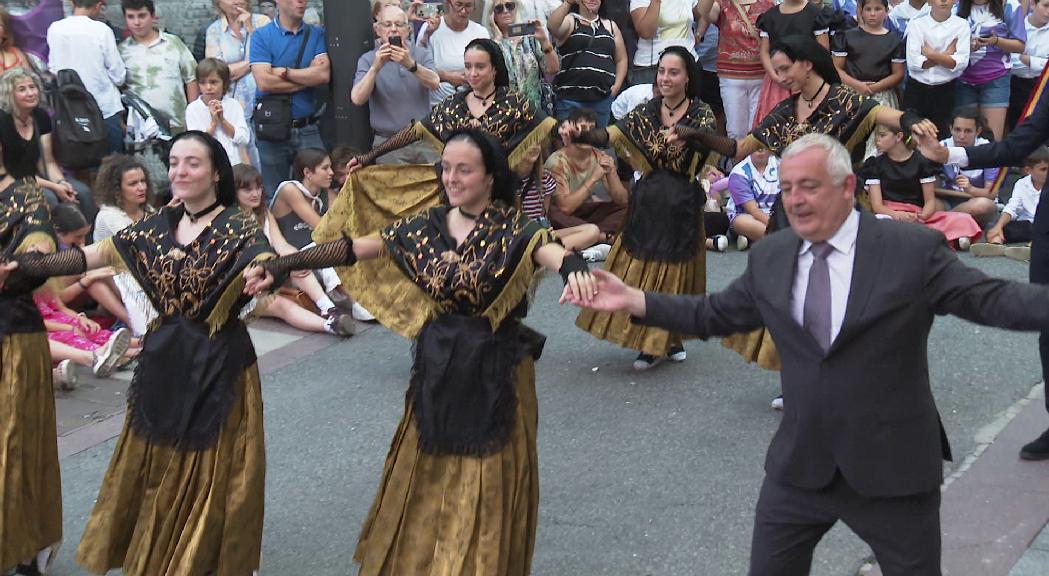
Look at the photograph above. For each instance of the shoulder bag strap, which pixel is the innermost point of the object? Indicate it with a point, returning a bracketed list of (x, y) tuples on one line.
[(302, 48)]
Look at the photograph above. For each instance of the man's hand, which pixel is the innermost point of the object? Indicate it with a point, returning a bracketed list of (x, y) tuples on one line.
[(401, 56), (320, 61), (931, 148), (610, 295), (382, 56), (457, 77)]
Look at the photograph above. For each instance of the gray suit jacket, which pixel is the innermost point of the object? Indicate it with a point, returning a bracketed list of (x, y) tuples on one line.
[(864, 407)]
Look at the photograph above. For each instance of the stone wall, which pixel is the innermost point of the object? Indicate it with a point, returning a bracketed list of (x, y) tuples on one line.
[(183, 17)]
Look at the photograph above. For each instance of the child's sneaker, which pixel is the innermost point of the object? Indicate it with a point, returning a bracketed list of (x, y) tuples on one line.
[(985, 250), (107, 356), (65, 375), (719, 243), (964, 243), (1018, 253), (742, 243)]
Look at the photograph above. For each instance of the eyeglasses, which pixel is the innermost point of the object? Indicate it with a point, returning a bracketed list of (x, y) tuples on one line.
[(462, 6), (388, 25), (508, 7)]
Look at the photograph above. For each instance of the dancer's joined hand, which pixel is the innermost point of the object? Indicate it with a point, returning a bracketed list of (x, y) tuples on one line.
[(581, 287), (257, 279), (610, 295)]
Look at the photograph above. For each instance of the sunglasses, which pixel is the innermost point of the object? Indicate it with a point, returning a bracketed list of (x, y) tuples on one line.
[(508, 7)]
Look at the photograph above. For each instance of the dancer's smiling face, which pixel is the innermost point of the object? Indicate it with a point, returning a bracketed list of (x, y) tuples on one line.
[(464, 176), (192, 172)]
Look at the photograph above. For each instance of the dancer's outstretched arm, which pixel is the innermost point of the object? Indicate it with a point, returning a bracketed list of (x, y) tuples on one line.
[(33, 268), (342, 252), (574, 271)]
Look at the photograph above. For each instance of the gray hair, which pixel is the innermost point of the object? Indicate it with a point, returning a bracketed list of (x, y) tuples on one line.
[(9, 80), (839, 163)]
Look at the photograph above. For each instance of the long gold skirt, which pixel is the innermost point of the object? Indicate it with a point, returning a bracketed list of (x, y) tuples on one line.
[(166, 512), (30, 481), (457, 515), (689, 277), (756, 346)]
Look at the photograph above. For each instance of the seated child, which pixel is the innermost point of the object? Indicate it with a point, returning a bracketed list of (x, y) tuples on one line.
[(104, 348), (969, 191), (902, 186), (754, 186), (1014, 225), (71, 229)]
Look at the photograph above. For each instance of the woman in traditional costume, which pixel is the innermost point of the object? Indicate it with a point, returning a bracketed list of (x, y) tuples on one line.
[(460, 489), (821, 104), (184, 490), (31, 498), (661, 247)]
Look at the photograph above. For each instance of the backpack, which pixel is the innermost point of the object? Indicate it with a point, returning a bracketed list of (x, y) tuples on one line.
[(79, 137)]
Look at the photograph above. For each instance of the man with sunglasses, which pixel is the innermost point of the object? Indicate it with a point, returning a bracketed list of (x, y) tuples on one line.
[(447, 35), (394, 80)]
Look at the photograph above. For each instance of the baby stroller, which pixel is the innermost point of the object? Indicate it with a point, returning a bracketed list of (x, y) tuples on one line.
[(148, 139)]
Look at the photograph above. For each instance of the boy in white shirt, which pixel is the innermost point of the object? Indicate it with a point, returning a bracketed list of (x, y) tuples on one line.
[(218, 114), (1027, 67), (937, 54), (1014, 225)]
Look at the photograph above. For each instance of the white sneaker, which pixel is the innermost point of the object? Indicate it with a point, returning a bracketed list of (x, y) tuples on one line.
[(963, 244), (742, 243), (109, 354), (677, 354), (65, 375), (720, 242), (645, 361), (777, 403), (361, 313), (596, 253)]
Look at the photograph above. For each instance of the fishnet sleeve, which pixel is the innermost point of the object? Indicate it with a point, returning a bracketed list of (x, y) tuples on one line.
[(399, 140), (708, 140), (330, 254), (597, 137), (35, 268)]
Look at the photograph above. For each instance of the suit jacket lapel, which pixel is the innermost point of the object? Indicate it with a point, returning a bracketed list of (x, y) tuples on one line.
[(866, 267)]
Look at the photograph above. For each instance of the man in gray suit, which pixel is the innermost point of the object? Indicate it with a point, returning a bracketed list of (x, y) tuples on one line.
[(849, 300)]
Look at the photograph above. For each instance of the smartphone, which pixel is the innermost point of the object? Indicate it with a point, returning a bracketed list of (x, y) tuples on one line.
[(395, 41), (521, 29)]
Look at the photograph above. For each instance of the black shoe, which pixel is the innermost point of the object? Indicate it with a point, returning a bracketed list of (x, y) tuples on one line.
[(1038, 449), (28, 570), (341, 300)]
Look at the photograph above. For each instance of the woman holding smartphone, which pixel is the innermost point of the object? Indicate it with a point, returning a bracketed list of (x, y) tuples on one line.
[(530, 57)]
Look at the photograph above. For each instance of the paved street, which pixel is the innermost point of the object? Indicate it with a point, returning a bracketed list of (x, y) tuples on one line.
[(651, 473)]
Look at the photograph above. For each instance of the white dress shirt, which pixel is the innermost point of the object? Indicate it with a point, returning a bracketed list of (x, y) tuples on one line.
[(88, 46), (1024, 202), (1037, 47), (839, 263), (902, 14), (629, 99), (198, 117), (939, 35)]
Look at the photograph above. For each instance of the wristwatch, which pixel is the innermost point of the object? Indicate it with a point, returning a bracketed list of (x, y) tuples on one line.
[(414, 68)]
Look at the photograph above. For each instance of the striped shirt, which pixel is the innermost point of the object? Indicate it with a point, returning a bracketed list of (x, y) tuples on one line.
[(588, 67), (532, 198)]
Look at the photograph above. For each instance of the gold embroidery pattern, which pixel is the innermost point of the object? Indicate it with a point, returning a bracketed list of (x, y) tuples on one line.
[(509, 114), (22, 210), (464, 279), (839, 115), (186, 278), (645, 128)]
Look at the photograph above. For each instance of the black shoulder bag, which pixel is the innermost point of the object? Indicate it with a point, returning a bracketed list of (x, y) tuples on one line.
[(272, 117)]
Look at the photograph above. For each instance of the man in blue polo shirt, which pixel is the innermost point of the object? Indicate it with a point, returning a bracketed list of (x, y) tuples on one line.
[(274, 49)]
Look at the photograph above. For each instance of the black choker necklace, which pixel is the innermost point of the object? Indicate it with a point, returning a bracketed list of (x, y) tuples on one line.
[(672, 111), (466, 214), (484, 101), (809, 101), (194, 216)]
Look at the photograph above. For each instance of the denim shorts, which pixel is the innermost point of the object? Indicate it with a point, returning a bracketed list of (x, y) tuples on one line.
[(994, 94)]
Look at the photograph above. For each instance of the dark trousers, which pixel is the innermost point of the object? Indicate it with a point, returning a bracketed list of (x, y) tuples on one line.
[(608, 216), (1017, 231), (1039, 274), (933, 102), (903, 532), (1020, 90), (715, 224)]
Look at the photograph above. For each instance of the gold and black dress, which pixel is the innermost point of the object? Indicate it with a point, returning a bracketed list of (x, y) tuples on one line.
[(183, 494), (30, 483), (375, 196), (661, 248), (459, 492), (844, 114)]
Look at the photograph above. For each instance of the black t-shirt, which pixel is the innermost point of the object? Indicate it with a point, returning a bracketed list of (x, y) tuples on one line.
[(869, 57), (808, 22), (23, 156), (901, 181)]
